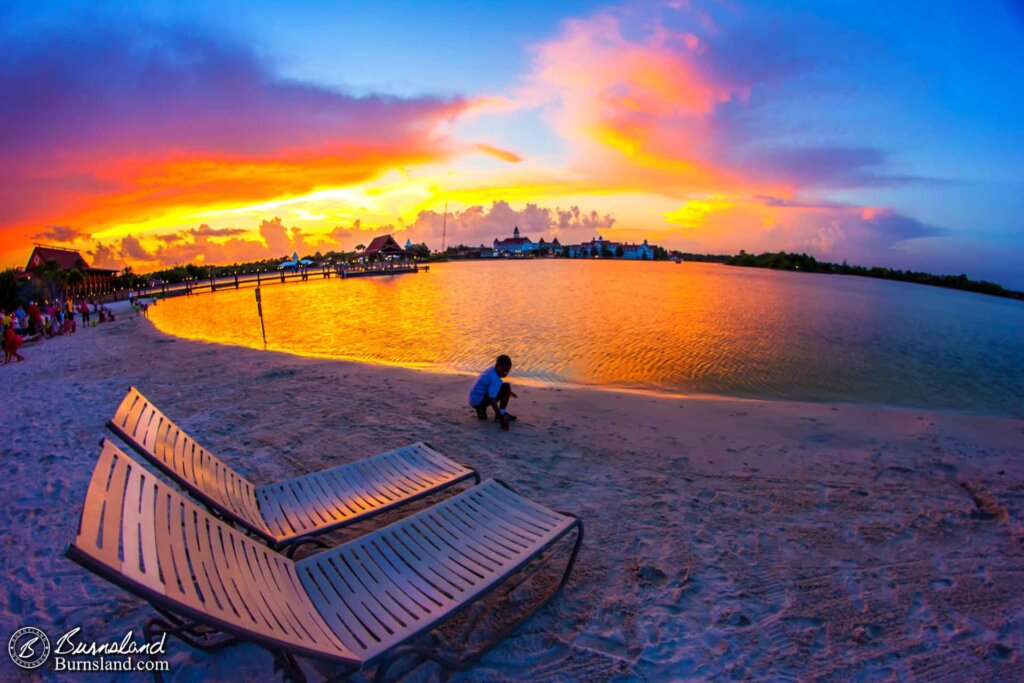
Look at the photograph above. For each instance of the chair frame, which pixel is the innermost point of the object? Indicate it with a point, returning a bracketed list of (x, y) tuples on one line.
[(207, 632)]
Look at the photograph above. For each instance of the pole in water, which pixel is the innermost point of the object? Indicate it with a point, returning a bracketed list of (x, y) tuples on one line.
[(259, 309)]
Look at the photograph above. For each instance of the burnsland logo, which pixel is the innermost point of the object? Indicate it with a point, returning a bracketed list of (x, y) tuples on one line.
[(29, 648)]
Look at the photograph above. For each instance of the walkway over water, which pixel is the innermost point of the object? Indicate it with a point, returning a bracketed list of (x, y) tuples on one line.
[(250, 280)]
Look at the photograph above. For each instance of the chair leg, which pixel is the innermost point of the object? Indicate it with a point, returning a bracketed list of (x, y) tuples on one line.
[(421, 652), (289, 667), (191, 633), (150, 630)]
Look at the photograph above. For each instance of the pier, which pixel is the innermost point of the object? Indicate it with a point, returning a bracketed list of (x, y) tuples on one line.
[(343, 271)]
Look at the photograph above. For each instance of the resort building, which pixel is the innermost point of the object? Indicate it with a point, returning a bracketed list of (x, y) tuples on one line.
[(94, 280), (524, 247), (294, 262), (517, 245), (382, 248), (603, 248)]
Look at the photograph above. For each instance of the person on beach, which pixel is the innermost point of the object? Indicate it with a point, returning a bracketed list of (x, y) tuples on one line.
[(35, 319), (12, 342), (492, 391)]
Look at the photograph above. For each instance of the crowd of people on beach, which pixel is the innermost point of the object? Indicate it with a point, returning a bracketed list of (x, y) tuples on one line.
[(51, 319)]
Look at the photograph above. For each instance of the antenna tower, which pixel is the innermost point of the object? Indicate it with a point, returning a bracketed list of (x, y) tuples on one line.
[(444, 228)]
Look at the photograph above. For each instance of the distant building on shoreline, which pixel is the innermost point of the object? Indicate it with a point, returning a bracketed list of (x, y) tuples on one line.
[(602, 248), (93, 280), (518, 246), (382, 248)]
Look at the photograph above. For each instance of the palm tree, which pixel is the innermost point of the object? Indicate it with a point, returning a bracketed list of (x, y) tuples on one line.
[(73, 279), (50, 274)]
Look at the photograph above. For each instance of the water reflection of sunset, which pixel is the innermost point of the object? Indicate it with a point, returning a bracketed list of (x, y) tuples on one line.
[(689, 328)]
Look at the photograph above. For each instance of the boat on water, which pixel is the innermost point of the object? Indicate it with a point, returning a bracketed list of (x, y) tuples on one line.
[(676, 260)]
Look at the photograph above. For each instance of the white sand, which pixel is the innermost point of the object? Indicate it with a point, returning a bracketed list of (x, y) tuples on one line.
[(726, 539)]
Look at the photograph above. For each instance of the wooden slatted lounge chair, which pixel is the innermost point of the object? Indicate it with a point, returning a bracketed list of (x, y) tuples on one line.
[(288, 513), (355, 605)]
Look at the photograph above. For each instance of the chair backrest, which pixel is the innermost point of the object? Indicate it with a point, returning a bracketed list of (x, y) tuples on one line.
[(167, 446), (143, 535)]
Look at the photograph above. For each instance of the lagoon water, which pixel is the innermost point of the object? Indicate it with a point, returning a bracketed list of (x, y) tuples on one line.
[(689, 328)]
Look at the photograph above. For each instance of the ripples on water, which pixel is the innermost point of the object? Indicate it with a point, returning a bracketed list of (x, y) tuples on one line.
[(687, 328)]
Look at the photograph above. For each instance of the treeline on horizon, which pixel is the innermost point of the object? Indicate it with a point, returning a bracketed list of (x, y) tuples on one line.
[(781, 260), (12, 292)]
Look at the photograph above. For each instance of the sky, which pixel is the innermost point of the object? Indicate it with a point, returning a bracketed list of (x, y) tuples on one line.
[(885, 134)]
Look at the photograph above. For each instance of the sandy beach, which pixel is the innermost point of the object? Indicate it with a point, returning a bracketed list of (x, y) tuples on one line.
[(725, 539)]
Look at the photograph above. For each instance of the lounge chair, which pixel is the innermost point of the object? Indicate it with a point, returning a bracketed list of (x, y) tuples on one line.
[(288, 513), (358, 604)]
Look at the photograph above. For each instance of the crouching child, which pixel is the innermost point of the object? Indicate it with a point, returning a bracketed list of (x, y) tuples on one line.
[(492, 391)]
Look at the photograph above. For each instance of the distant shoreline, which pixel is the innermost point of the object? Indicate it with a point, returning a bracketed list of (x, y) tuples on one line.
[(792, 262), (808, 264)]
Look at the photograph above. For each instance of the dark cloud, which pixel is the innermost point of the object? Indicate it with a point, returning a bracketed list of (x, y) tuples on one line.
[(205, 230), (760, 46), (177, 88), (892, 227), (348, 238), (133, 249), (795, 203), (232, 245), (105, 256), (61, 233), (834, 167)]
